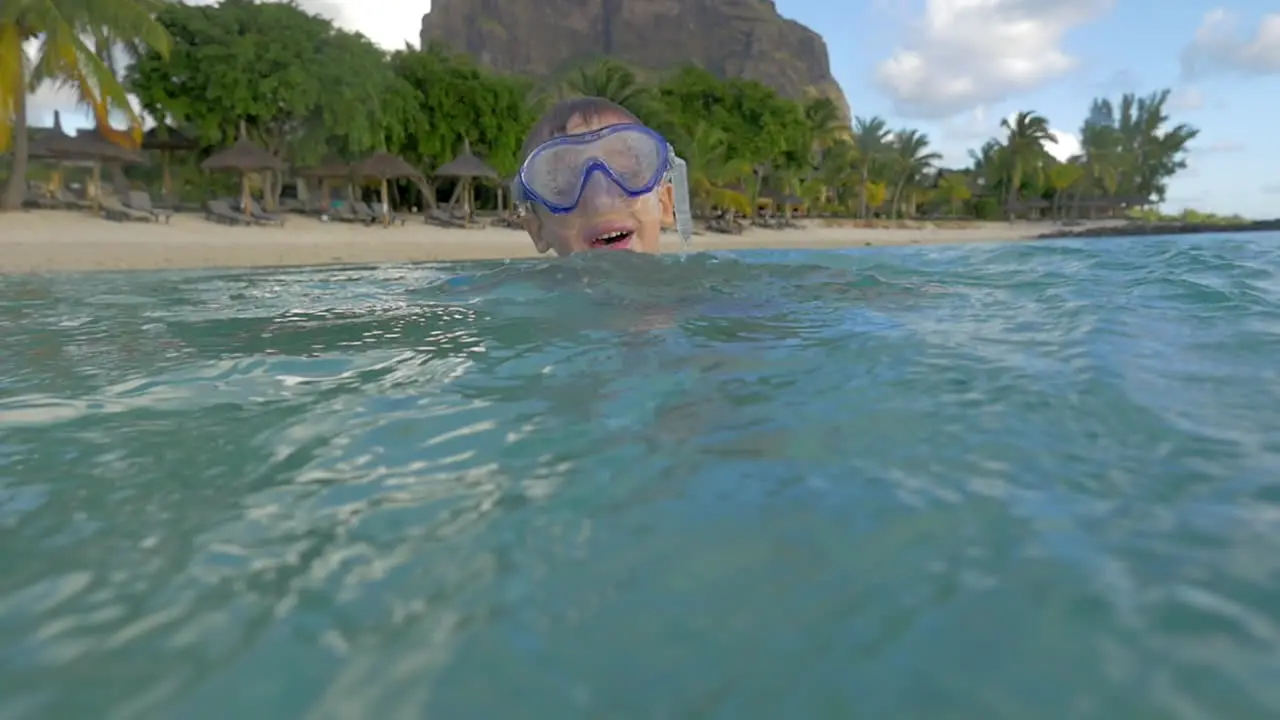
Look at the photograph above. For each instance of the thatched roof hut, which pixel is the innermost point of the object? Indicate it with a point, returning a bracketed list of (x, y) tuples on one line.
[(244, 156), (56, 144), (466, 165), (385, 166)]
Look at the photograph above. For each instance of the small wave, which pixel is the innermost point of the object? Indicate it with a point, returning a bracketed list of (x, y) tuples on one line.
[(754, 483)]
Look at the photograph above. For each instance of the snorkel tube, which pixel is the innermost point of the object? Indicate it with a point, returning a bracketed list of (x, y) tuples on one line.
[(679, 174)]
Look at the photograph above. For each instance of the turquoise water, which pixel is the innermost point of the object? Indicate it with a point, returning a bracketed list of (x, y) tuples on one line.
[(1008, 481)]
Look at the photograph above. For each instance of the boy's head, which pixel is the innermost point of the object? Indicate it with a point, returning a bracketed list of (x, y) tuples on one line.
[(594, 178)]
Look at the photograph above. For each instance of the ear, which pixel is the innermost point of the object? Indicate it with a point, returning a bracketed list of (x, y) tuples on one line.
[(667, 201), (533, 226)]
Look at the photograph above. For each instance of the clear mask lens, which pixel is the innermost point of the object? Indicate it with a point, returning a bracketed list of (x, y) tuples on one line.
[(633, 157)]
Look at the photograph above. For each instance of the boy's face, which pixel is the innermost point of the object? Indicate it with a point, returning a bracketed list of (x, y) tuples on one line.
[(603, 210)]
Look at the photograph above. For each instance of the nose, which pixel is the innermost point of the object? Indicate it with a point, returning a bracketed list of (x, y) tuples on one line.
[(601, 193)]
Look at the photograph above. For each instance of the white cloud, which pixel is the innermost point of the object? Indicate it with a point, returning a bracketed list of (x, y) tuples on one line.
[(1221, 147), (43, 102), (1186, 99), (50, 98), (1064, 145), (1220, 47), (1120, 82), (388, 23), (965, 53), (973, 125)]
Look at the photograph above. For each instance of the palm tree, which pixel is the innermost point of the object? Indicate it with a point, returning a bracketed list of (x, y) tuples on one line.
[(711, 169), (1026, 135), (824, 122), (912, 158), (611, 80), (1129, 143), (63, 56), (1062, 178), (955, 189), (833, 171), (990, 165), (825, 127), (870, 136)]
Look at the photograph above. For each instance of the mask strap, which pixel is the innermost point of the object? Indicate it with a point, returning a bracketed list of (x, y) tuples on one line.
[(519, 201)]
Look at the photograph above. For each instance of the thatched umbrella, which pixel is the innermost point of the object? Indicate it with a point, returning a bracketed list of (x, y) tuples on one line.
[(465, 167), (43, 140), (244, 157), (91, 145), (384, 166), (167, 140), (93, 139), (88, 146), (331, 168)]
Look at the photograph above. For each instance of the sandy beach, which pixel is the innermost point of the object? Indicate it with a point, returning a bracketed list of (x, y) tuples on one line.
[(57, 241)]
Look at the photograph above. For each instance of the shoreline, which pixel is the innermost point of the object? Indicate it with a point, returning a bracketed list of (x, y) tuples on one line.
[(55, 241), (1140, 229)]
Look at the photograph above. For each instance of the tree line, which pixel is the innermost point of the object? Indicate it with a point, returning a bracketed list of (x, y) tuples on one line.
[(308, 90)]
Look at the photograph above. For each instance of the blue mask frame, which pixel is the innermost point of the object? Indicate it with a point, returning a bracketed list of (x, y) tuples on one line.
[(522, 188)]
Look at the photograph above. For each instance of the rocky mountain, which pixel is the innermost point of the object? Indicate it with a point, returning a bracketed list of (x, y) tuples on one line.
[(546, 38)]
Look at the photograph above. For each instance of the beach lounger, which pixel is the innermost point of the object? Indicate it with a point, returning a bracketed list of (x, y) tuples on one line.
[(725, 226), (39, 198), (319, 208), (262, 216), (444, 219), (507, 221), (140, 200), (114, 210), (345, 213), (70, 201), (220, 211), (363, 210)]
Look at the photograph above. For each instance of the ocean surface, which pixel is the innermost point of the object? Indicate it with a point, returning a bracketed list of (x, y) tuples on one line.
[(1025, 481)]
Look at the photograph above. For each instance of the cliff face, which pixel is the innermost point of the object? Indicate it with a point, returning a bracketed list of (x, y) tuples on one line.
[(731, 38)]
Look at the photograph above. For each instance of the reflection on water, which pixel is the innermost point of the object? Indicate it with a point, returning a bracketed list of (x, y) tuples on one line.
[(1001, 482)]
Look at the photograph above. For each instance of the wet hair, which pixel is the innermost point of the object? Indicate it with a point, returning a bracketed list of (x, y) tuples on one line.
[(555, 121)]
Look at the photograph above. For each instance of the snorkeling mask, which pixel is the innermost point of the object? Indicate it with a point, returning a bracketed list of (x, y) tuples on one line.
[(633, 157)]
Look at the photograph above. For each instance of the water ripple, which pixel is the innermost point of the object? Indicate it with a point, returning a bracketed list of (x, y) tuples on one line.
[(761, 484)]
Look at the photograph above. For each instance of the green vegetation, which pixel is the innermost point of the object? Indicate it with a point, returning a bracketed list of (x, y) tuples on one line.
[(308, 90), (1187, 217), (73, 43)]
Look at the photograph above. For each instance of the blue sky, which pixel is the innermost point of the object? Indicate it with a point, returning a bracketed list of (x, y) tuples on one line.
[(955, 67), (1054, 56)]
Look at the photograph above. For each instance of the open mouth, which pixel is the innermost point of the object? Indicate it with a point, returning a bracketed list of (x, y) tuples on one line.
[(617, 240)]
